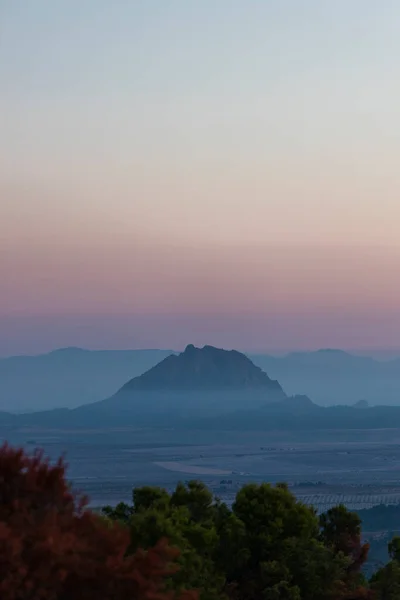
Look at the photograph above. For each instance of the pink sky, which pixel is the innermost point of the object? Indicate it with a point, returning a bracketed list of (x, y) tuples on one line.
[(167, 178), (263, 298)]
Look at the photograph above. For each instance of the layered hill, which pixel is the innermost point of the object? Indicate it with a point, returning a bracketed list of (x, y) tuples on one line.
[(332, 377), (210, 388), (198, 382), (299, 413), (72, 377), (69, 377)]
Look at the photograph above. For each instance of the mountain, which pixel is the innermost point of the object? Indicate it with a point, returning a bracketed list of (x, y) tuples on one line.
[(210, 388), (69, 377), (205, 368), (197, 382), (332, 377), (8, 419), (72, 377)]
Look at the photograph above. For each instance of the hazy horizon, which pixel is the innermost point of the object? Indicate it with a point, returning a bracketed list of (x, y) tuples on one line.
[(222, 173), (30, 338)]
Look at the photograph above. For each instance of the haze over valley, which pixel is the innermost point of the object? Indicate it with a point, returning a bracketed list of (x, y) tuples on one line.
[(70, 377), (214, 414)]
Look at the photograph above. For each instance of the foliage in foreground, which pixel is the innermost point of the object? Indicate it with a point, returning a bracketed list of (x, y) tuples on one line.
[(268, 546), (52, 548)]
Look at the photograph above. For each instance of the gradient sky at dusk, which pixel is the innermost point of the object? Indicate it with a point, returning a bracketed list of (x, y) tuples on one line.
[(199, 171)]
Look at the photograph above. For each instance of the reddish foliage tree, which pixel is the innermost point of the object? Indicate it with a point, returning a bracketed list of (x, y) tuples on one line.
[(53, 548)]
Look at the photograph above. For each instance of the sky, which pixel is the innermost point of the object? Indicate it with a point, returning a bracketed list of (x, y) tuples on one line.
[(179, 171)]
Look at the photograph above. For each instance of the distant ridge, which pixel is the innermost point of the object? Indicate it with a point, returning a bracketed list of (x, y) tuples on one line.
[(206, 368), (331, 376), (69, 377), (361, 404), (205, 388)]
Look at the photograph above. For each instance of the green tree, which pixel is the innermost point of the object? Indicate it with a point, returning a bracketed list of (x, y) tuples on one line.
[(121, 513), (341, 530), (286, 558), (186, 519), (394, 548), (269, 546), (386, 582)]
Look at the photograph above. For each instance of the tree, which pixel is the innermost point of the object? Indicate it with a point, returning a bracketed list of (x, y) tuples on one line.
[(186, 519), (53, 548), (286, 558), (341, 530), (394, 548), (267, 546), (386, 581)]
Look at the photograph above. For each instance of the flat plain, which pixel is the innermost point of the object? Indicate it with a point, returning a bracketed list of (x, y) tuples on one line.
[(359, 468)]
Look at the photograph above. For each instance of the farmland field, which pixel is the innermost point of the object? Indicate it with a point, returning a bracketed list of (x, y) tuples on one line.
[(360, 469)]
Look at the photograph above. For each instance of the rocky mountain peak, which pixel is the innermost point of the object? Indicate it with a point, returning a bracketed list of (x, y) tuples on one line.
[(206, 368)]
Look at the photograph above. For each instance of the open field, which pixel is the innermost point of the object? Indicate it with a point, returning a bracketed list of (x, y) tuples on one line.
[(179, 467), (360, 469)]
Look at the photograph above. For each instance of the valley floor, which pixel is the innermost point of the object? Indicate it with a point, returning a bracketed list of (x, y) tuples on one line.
[(360, 469)]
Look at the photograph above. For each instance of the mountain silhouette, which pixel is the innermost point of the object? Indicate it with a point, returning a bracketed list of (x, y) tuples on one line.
[(211, 388), (69, 377), (197, 382), (333, 377), (206, 368)]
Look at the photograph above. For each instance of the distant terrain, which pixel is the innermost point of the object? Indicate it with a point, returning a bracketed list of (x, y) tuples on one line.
[(335, 377), (72, 377), (220, 416), (196, 384), (208, 389), (69, 377)]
